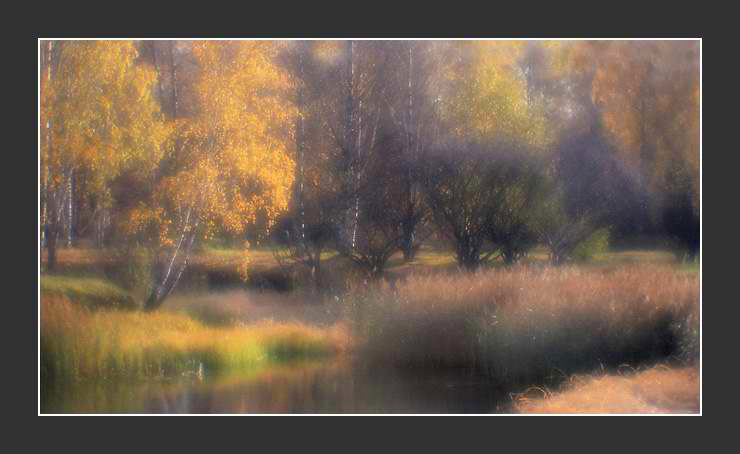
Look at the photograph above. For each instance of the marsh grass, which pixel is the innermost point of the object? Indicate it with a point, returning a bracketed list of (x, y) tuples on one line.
[(77, 343), (525, 324), (654, 390)]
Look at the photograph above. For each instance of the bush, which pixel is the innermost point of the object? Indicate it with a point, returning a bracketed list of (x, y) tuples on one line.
[(133, 269), (597, 243)]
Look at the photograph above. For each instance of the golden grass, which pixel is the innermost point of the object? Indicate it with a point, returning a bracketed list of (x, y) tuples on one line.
[(524, 323), (80, 344), (657, 390)]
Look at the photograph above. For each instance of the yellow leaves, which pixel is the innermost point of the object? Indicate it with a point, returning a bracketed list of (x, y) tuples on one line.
[(101, 111), (486, 95), (239, 163)]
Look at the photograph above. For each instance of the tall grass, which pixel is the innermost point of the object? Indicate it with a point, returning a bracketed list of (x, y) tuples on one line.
[(77, 343), (524, 324), (655, 390), (91, 292)]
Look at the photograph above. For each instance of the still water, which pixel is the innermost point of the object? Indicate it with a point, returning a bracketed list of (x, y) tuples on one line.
[(333, 386)]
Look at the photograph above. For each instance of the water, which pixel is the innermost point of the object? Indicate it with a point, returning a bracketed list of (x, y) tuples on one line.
[(332, 386)]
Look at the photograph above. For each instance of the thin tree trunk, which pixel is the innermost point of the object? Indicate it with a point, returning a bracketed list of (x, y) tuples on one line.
[(300, 148), (409, 225), (162, 289), (52, 216), (356, 189), (182, 266), (51, 245), (349, 139), (159, 71), (69, 210), (53, 228), (45, 79), (174, 79), (301, 183), (44, 197)]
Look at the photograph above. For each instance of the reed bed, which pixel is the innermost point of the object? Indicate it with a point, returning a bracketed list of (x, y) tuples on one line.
[(525, 324)]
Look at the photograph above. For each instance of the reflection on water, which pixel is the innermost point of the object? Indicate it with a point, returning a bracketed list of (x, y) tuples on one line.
[(320, 387)]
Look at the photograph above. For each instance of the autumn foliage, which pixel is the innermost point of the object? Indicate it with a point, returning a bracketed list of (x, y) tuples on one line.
[(166, 144)]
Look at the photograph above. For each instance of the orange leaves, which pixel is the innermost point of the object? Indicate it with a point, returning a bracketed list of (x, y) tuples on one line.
[(648, 93), (101, 111)]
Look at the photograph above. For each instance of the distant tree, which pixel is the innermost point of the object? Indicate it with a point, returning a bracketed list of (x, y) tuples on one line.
[(383, 207), (303, 243), (648, 93), (511, 228), (466, 185), (485, 98), (412, 91), (679, 217), (587, 188), (354, 75), (317, 219)]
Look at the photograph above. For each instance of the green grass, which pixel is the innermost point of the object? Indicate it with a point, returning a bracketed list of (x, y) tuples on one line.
[(91, 292)]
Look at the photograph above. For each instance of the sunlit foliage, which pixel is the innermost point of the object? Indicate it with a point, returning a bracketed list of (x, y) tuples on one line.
[(101, 109), (232, 158), (100, 118), (485, 93)]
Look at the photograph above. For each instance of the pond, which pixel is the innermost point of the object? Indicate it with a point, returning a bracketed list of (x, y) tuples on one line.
[(331, 386)]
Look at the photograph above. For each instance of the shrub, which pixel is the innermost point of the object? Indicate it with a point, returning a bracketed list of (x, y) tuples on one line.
[(133, 269), (596, 243)]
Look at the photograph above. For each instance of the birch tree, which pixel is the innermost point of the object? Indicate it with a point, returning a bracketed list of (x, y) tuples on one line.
[(98, 115), (232, 161)]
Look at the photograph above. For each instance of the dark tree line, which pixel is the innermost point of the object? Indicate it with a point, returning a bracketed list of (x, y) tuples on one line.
[(399, 171)]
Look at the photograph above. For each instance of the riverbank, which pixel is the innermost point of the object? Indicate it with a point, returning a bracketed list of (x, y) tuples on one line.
[(658, 390)]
